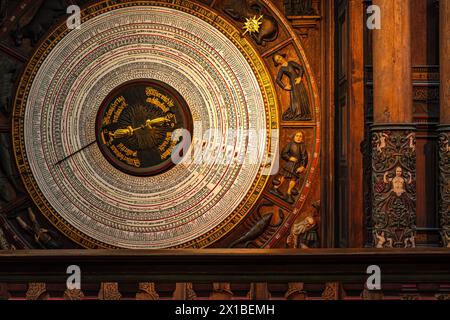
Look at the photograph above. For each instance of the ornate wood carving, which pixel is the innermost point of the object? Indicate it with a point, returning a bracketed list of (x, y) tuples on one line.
[(393, 187), (109, 291), (444, 184), (37, 291), (296, 291), (147, 291), (184, 291), (333, 291), (221, 291), (244, 10), (73, 294), (372, 294)]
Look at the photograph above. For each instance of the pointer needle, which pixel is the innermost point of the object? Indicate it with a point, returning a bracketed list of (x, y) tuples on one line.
[(85, 147)]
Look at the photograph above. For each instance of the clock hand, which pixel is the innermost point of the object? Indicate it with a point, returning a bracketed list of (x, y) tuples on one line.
[(85, 147), (129, 131)]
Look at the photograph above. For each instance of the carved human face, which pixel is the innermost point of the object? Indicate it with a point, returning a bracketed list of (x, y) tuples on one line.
[(279, 59), (310, 221), (398, 172), (298, 137)]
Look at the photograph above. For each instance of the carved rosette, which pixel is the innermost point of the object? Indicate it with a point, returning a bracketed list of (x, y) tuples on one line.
[(393, 186), (444, 183)]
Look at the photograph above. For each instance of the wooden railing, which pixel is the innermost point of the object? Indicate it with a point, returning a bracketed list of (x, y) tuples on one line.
[(226, 274)]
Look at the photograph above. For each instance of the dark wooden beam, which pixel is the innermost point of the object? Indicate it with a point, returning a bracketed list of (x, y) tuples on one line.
[(227, 265)]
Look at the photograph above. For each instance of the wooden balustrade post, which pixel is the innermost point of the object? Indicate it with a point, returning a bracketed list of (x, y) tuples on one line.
[(372, 294), (333, 291), (259, 291), (184, 291), (221, 291), (73, 294), (109, 291), (37, 291), (147, 291), (296, 291)]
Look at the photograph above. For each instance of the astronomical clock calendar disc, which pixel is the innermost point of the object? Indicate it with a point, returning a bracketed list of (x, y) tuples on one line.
[(101, 111)]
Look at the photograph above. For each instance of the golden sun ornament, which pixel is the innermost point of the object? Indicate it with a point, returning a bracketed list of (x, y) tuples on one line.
[(251, 25)]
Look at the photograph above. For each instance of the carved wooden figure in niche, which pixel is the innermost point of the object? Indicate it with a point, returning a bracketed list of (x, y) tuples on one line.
[(296, 157), (299, 109), (248, 9)]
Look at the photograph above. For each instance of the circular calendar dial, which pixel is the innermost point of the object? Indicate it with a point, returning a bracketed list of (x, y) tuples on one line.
[(95, 114)]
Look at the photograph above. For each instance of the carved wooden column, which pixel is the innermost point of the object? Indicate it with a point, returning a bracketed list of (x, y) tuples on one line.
[(393, 135), (444, 128)]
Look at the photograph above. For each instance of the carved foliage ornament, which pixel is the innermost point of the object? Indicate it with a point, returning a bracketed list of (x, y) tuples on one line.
[(393, 188), (444, 186)]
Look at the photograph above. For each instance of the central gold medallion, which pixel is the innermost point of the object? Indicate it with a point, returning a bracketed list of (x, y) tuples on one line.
[(136, 124)]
